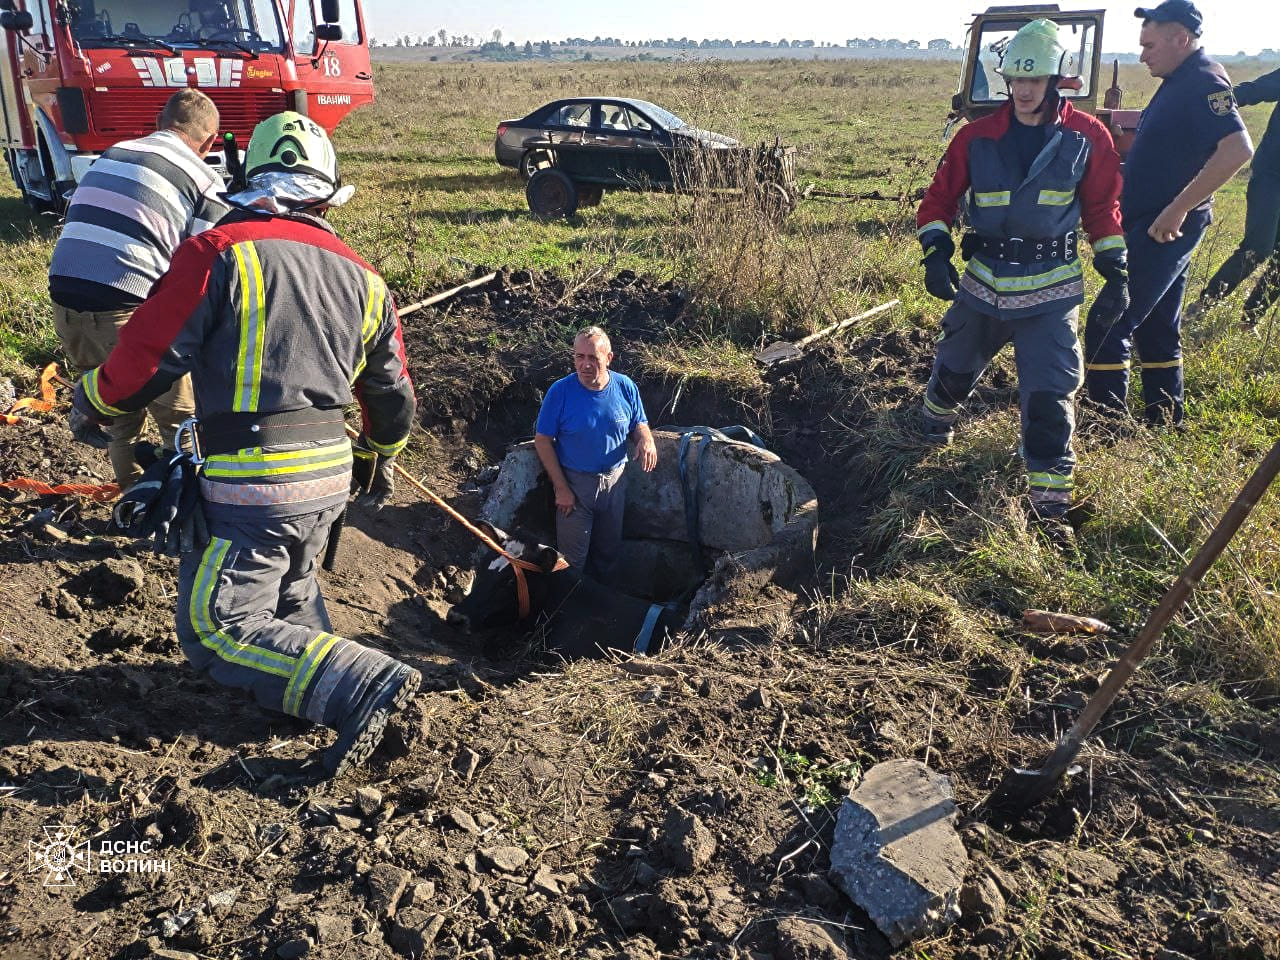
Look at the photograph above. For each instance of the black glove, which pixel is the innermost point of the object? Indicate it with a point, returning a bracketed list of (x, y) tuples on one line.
[(1113, 299), (940, 276), (373, 476), (85, 422), (165, 507)]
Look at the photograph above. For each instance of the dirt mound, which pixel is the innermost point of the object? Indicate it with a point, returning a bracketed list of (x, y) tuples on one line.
[(680, 806)]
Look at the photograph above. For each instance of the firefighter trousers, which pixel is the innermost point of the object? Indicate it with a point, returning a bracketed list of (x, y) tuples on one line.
[(1153, 323), (1259, 245), (251, 616), (1046, 349)]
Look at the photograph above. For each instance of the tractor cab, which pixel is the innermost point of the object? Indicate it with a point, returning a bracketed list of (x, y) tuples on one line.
[(982, 89)]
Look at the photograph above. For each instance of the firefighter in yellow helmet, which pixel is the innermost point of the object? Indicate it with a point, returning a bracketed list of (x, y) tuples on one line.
[(281, 327), (1030, 173)]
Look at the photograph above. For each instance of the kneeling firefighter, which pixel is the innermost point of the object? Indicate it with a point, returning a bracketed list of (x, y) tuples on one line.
[(279, 323), (1031, 171)]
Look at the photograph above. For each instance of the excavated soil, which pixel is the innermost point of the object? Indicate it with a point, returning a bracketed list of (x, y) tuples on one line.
[(680, 806)]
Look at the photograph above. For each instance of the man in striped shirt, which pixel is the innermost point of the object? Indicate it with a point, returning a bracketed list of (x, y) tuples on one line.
[(137, 202)]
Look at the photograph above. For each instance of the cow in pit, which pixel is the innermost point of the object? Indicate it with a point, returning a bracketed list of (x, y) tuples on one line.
[(585, 618)]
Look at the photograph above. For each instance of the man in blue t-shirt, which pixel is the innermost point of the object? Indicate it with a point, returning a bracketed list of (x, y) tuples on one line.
[(581, 438), (1190, 141)]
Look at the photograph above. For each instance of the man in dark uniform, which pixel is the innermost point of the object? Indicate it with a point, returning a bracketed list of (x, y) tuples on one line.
[(1261, 220), (1190, 142)]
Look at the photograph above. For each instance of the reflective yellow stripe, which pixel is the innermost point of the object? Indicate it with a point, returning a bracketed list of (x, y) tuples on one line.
[(90, 381), (1107, 366), (934, 408), (210, 633), (999, 198), (388, 449), (1050, 481), (375, 297), (1056, 198), (253, 321), (1108, 243), (254, 463), (1068, 271), (1160, 365), (305, 670), (933, 225)]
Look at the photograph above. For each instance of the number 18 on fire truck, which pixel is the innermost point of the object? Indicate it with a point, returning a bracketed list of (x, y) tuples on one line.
[(77, 76)]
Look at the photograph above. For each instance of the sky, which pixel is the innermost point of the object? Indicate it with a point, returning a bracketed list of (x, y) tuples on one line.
[(1231, 25)]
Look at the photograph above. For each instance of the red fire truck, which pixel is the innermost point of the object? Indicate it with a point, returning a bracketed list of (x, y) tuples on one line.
[(77, 76)]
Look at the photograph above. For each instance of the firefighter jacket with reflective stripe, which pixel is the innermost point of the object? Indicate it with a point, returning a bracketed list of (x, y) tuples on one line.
[(1076, 175), (269, 314)]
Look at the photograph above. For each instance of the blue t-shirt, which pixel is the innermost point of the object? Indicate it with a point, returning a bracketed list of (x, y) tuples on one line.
[(590, 427), (1191, 111)]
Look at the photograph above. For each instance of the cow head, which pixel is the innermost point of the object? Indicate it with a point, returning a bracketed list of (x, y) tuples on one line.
[(492, 600)]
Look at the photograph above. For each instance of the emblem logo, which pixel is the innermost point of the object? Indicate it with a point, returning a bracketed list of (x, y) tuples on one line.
[(1221, 102), (58, 855)]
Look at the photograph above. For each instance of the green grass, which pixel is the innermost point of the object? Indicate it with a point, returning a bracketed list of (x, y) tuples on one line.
[(951, 545)]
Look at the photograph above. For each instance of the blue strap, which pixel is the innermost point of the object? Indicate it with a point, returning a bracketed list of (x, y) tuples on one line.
[(646, 629)]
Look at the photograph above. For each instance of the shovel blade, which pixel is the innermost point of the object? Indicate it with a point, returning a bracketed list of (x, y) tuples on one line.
[(778, 352)]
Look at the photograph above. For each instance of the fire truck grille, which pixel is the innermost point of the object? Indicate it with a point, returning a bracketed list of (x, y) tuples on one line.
[(133, 112)]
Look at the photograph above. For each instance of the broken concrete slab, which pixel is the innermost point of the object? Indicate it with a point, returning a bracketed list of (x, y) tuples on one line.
[(896, 853)]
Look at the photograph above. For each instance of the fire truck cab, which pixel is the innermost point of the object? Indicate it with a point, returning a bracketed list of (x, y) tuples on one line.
[(77, 76)]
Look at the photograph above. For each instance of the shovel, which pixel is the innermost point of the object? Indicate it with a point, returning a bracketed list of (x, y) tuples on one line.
[(1022, 789), (781, 351)]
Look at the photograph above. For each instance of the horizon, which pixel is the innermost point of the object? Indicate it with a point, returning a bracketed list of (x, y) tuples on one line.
[(1230, 26)]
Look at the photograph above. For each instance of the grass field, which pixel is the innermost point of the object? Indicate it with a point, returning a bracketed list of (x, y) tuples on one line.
[(431, 202)]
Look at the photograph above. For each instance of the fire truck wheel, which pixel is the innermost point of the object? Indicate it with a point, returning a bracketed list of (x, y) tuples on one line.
[(551, 195)]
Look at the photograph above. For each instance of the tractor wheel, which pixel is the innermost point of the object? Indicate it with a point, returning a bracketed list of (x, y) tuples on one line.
[(551, 195), (531, 161), (590, 196)]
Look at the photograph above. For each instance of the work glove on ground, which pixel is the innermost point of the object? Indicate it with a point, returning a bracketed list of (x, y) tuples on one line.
[(373, 476), (85, 422), (1113, 299), (940, 276)]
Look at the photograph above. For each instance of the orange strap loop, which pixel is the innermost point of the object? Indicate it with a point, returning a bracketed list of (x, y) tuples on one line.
[(48, 397), (517, 564)]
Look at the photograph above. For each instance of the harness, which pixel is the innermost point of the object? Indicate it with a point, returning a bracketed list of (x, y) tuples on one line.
[(519, 565), (692, 488)]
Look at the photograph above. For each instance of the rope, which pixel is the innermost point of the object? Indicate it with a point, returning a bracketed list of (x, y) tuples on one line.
[(97, 492), (692, 491), (517, 564)]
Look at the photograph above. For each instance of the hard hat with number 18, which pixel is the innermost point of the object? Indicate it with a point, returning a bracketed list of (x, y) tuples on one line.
[(1035, 51), (288, 142)]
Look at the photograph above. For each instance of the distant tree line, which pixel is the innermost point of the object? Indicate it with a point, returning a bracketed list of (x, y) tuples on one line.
[(544, 48)]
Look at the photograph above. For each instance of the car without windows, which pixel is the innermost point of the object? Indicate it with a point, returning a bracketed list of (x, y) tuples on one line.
[(596, 121), (571, 151)]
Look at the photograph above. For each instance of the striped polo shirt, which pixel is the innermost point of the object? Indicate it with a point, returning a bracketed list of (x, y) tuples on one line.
[(136, 203)]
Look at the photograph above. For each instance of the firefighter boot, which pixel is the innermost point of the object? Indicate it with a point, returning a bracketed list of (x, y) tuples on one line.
[(936, 431), (360, 733), (1049, 519)]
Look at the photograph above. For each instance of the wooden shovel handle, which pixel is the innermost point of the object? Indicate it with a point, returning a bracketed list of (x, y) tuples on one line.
[(1170, 604)]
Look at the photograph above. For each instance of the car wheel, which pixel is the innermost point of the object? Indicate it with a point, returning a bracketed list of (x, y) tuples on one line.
[(551, 195), (531, 161), (590, 196)]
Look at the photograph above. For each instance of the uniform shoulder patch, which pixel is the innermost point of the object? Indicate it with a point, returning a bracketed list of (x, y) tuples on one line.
[(1221, 102)]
